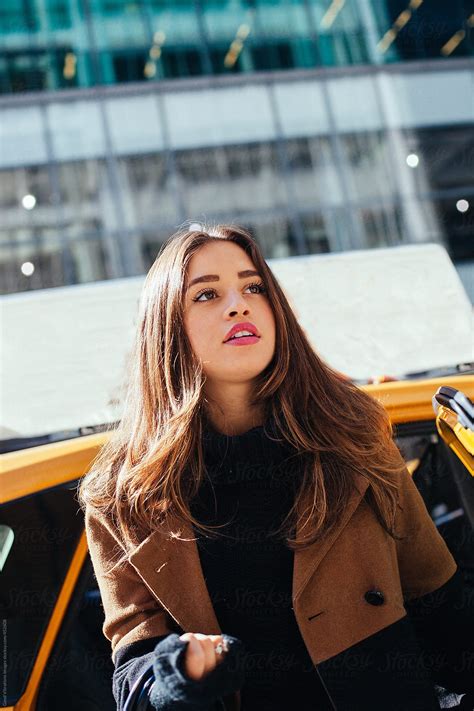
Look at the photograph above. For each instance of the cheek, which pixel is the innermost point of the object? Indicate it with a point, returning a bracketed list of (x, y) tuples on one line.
[(198, 334), (270, 320)]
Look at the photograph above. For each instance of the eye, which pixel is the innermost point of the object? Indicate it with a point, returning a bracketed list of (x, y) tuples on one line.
[(260, 290)]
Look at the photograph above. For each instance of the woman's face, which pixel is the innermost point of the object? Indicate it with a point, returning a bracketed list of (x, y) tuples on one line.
[(224, 300)]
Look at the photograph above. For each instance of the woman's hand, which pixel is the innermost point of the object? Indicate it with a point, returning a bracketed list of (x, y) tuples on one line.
[(200, 656)]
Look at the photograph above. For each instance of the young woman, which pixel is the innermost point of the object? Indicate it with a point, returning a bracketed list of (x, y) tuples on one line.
[(257, 539)]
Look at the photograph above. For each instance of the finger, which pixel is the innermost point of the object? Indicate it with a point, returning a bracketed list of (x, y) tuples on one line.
[(194, 660), (215, 637), (187, 635), (208, 647)]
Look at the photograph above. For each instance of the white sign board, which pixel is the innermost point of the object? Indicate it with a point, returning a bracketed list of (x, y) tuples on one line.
[(385, 311)]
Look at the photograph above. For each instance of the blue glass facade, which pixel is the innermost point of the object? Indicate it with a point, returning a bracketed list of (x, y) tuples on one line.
[(322, 126), (57, 44)]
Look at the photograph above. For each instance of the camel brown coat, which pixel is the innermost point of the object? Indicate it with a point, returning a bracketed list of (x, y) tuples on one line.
[(161, 588)]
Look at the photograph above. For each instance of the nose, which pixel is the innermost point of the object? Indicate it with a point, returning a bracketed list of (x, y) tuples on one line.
[(237, 305)]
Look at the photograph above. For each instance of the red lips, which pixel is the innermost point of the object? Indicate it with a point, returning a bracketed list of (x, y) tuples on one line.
[(245, 326)]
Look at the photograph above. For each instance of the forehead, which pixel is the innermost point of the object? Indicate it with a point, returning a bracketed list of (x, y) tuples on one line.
[(221, 255)]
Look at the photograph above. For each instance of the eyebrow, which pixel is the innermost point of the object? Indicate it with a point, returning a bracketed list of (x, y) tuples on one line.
[(215, 277)]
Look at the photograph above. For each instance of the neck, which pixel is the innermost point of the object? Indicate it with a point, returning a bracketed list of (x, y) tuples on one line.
[(230, 412)]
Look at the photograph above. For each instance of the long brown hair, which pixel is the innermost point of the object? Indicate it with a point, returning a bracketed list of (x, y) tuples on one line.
[(153, 463)]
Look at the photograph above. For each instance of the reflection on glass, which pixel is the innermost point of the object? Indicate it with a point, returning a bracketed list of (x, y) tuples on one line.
[(149, 191), (341, 33), (55, 259), (117, 41), (446, 157), (15, 186), (77, 129), (81, 185), (315, 233), (313, 172), (274, 235), (367, 165), (383, 226), (453, 228), (234, 179)]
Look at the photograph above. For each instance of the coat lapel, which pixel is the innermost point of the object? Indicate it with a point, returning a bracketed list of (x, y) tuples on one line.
[(307, 561), (172, 569)]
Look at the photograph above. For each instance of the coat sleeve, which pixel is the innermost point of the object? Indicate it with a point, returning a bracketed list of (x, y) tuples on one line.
[(131, 612), (444, 623), (424, 560), (131, 662)]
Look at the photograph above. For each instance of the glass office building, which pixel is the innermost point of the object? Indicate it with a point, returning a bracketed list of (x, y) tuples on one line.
[(322, 125)]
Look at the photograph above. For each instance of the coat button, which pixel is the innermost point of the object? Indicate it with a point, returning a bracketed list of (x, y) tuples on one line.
[(374, 597)]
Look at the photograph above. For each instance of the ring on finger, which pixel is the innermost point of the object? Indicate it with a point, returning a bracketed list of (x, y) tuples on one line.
[(221, 647)]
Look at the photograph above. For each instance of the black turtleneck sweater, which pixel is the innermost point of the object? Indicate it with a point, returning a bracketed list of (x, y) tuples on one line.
[(251, 484)]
